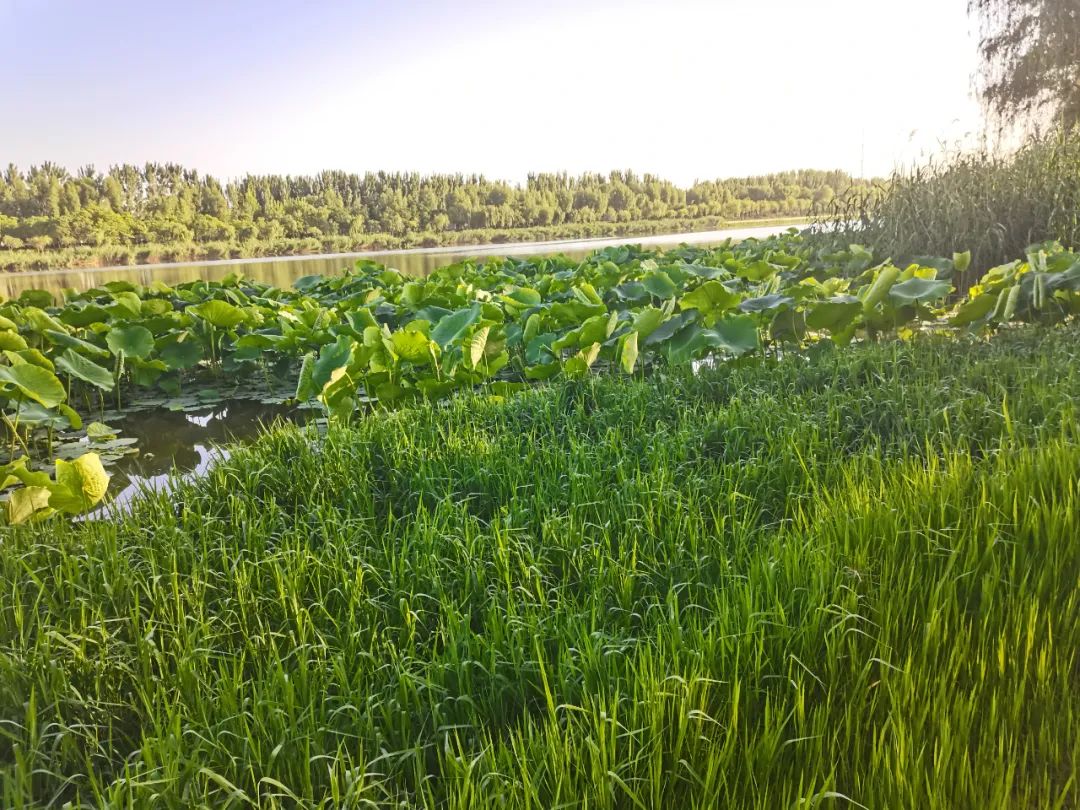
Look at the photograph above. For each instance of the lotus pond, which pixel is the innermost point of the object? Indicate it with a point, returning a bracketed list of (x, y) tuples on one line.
[(79, 375)]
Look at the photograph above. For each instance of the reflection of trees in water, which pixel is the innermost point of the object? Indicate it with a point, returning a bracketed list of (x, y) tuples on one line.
[(282, 273), (173, 439)]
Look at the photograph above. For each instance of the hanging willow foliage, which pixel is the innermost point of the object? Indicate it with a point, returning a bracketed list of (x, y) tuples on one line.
[(1030, 59)]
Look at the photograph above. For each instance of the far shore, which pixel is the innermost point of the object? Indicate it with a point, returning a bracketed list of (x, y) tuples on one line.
[(478, 243)]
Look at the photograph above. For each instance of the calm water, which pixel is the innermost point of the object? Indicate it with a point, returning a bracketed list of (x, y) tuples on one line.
[(282, 272), (176, 444)]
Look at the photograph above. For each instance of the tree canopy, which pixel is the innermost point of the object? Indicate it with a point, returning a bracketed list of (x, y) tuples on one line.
[(48, 207), (1030, 58)]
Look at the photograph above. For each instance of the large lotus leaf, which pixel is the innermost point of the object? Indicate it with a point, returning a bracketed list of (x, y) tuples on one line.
[(703, 271), (431, 314), (919, 289), (765, 303), (80, 484), (32, 356), (72, 342), (338, 396), (788, 325), (575, 312), (39, 320), (11, 341), (660, 284), (308, 283), (412, 294), (34, 382), (84, 315), (413, 345), (683, 345), (669, 327), (331, 357), (450, 328), (360, 319), (126, 305), (834, 314), (975, 309), (16, 472), (132, 340), (27, 503), (544, 371), (120, 286), (221, 314), (631, 291), (597, 329), (156, 306), (759, 270), (710, 298), (255, 340), (580, 363), (737, 335), (180, 354), (524, 297), (540, 349), (388, 393), (586, 293), (1068, 279), (31, 414), (146, 372), (36, 298), (532, 328), (648, 321), (880, 287)]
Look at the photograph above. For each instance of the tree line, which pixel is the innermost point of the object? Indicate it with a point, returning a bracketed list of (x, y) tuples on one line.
[(48, 208)]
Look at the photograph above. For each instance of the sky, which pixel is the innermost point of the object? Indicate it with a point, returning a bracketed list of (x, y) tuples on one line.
[(685, 89)]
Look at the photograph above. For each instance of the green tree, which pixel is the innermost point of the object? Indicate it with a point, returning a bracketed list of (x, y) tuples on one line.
[(1030, 58)]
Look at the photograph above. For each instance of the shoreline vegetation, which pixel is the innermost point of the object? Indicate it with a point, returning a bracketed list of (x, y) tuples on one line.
[(766, 585), (696, 528), (51, 218), (117, 256)]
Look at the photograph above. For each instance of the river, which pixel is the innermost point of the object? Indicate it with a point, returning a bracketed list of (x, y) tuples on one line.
[(283, 271)]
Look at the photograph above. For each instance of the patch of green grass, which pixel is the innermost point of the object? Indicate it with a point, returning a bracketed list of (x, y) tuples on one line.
[(849, 581)]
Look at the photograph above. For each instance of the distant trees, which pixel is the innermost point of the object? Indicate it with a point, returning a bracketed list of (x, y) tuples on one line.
[(1030, 58), (166, 204)]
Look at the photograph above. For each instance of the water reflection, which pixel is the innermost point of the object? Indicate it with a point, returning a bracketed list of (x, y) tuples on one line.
[(282, 272), (177, 446)]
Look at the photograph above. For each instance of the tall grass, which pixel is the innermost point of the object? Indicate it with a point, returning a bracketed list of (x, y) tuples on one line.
[(850, 582), (993, 204)]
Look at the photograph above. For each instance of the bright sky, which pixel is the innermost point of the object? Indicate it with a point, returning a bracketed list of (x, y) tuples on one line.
[(685, 89)]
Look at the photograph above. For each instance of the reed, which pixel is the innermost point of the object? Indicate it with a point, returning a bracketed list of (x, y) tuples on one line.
[(994, 204)]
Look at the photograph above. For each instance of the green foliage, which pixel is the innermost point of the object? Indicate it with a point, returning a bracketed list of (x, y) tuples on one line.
[(168, 213), (1030, 58), (371, 336), (767, 585), (995, 203), (78, 486)]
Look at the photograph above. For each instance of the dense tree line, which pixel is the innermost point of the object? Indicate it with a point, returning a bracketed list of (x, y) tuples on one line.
[(48, 208)]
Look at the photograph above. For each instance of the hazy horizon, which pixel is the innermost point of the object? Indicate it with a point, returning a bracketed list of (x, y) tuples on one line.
[(692, 90)]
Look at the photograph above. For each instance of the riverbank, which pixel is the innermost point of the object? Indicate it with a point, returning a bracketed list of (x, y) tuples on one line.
[(119, 256)]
